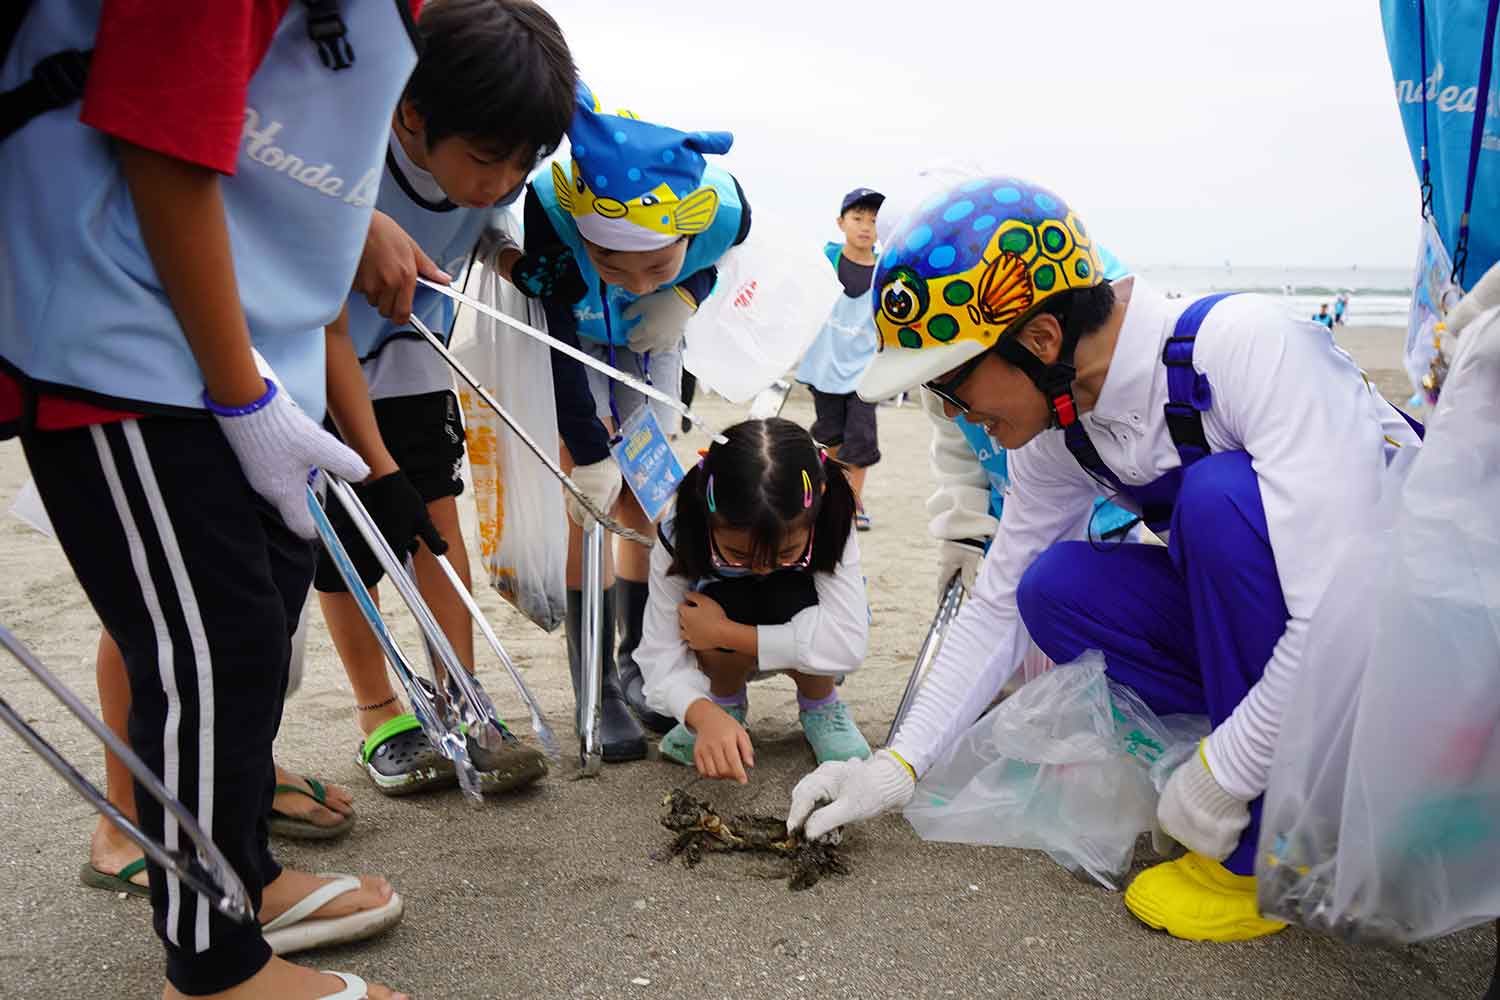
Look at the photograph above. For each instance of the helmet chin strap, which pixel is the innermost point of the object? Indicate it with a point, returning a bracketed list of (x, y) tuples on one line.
[(1055, 380)]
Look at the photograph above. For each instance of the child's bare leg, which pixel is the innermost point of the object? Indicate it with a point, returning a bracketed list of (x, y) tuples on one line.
[(363, 659), (574, 572), (727, 672), (109, 849), (447, 606), (812, 687)]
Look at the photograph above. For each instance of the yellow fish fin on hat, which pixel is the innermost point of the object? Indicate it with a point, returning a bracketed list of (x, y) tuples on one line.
[(562, 184), (696, 212)]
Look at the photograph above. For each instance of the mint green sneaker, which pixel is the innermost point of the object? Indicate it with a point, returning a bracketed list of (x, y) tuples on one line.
[(678, 744), (833, 734)]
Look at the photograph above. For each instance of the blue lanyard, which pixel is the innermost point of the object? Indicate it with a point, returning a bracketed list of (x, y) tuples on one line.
[(609, 339), (1476, 139), (1422, 82)]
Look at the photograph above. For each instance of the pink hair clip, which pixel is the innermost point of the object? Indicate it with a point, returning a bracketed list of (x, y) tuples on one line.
[(807, 496)]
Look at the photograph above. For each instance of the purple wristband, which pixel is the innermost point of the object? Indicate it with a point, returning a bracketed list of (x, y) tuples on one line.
[(241, 411)]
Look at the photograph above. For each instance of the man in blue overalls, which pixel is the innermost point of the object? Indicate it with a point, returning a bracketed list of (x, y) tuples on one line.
[(1245, 437)]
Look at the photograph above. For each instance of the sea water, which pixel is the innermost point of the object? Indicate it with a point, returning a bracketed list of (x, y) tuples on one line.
[(1377, 296)]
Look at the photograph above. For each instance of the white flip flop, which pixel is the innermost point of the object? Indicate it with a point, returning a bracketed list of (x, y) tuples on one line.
[(294, 931), (355, 988)]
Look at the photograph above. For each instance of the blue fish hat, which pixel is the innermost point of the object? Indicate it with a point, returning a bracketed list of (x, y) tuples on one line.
[(635, 185)]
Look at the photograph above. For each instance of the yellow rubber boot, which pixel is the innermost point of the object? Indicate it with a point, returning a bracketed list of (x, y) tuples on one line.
[(1197, 899)]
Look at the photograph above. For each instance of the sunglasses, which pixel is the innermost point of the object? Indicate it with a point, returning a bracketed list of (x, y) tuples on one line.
[(946, 389), (719, 562)]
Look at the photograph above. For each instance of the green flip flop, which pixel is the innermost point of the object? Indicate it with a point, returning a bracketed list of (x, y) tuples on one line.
[(300, 828), (95, 879), (399, 759)]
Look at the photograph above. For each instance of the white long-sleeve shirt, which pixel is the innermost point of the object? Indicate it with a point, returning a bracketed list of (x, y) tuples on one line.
[(830, 638), (960, 506), (1318, 437)]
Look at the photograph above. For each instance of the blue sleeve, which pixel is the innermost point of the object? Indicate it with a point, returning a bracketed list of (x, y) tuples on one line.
[(579, 426)]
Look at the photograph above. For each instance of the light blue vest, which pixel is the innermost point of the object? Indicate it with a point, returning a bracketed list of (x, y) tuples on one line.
[(446, 233), (845, 345), (80, 303), (704, 250)]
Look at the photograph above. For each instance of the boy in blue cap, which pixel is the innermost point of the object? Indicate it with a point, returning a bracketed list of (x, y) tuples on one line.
[(845, 424), (620, 247)]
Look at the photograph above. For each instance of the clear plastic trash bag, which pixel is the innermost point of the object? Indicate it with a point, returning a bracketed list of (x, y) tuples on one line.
[(773, 293), (1062, 766), (1382, 816), (523, 533)]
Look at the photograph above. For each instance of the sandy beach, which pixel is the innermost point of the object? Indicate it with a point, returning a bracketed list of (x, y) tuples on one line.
[(556, 893)]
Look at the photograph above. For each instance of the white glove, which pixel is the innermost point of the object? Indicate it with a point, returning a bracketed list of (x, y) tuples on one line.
[(854, 790), (601, 481), (662, 316), (1484, 295), (961, 556), (1196, 812), (278, 446)]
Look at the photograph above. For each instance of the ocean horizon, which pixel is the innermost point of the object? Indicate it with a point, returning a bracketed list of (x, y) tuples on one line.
[(1378, 296)]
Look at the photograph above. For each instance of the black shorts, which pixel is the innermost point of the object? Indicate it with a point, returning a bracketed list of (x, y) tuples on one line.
[(846, 422), (425, 435)]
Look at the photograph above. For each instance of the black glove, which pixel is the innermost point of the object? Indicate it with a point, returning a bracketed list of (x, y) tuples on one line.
[(401, 514), (552, 275)]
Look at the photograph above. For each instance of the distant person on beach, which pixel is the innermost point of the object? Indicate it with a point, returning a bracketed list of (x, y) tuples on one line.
[(1255, 450), (845, 424), (1324, 316), (1340, 306)]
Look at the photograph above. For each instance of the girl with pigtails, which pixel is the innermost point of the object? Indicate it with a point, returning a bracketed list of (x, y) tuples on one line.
[(757, 572)]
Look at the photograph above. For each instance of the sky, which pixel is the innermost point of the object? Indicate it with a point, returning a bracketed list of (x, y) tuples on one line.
[(1184, 133)]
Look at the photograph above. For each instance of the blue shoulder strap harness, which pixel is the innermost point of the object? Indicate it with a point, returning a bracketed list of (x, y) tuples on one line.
[(1188, 395)]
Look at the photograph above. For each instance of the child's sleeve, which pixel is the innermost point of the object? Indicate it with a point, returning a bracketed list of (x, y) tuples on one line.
[(831, 638), (172, 76), (668, 667)]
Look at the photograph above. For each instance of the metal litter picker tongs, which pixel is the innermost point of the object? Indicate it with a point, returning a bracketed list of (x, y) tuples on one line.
[(953, 597), (463, 711), (204, 870)]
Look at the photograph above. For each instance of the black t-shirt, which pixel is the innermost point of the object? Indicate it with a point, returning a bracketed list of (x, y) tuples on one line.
[(856, 278)]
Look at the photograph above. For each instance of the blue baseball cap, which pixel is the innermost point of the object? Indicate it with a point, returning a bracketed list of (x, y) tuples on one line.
[(861, 194)]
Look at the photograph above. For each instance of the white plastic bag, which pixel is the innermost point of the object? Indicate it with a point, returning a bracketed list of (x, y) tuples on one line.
[(523, 535), (773, 293), (1382, 819), (1062, 766)]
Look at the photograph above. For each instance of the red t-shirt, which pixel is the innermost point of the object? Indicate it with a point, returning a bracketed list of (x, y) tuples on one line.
[(170, 76)]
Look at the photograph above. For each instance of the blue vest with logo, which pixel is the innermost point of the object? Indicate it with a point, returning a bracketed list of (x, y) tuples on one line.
[(704, 250), (81, 305), (446, 232)]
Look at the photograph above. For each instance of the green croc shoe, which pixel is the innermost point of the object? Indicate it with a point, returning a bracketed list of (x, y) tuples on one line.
[(678, 744), (833, 734), (399, 759)]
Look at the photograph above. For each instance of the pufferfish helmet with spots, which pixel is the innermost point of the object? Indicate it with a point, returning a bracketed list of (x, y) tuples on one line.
[(966, 267), (633, 184)]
